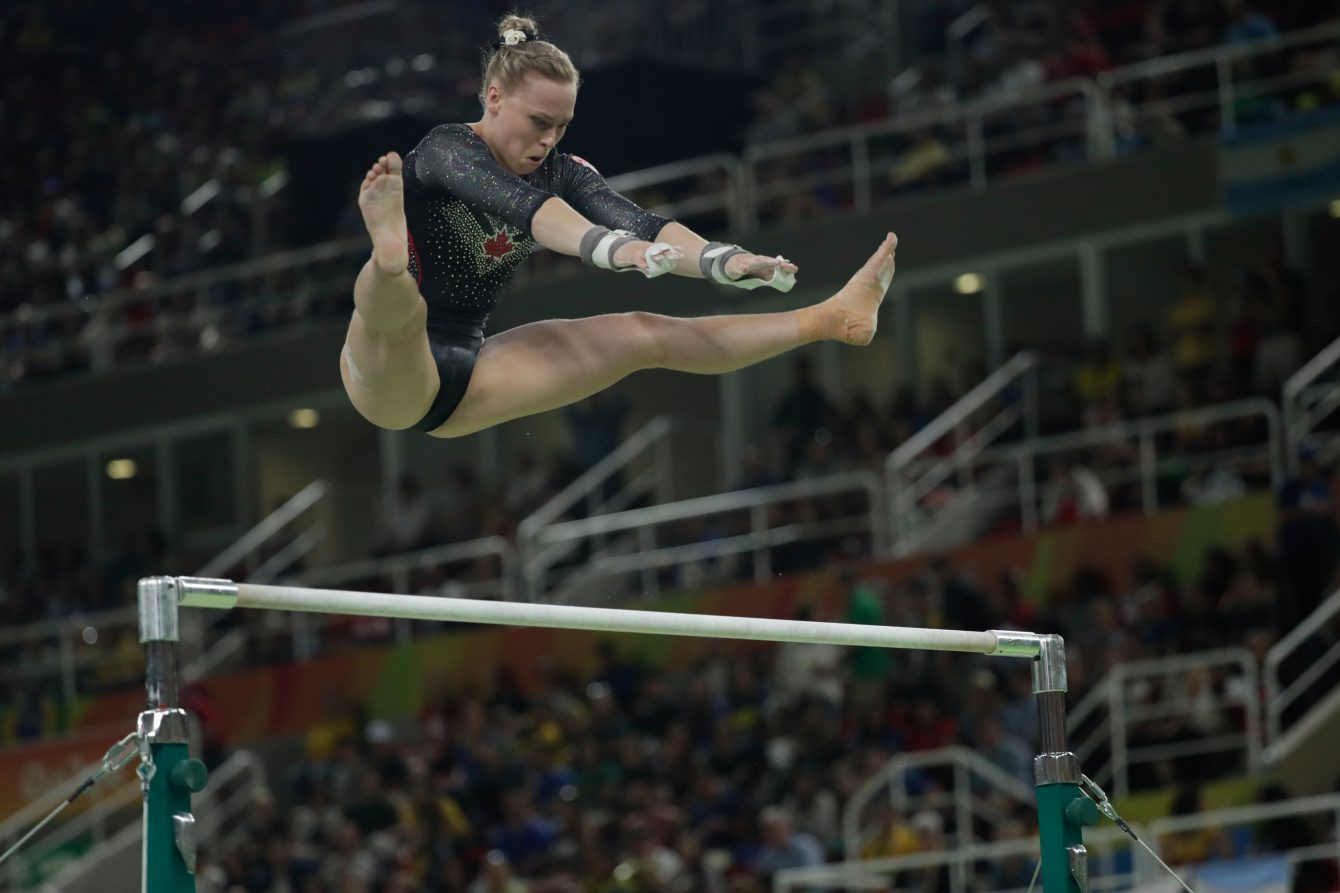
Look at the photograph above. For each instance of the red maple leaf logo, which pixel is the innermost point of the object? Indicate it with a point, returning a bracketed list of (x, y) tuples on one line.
[(582, 161), (499, 245)]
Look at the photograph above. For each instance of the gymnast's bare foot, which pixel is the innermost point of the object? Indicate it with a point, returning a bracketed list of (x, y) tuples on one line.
[(381, 198), (851, 315)]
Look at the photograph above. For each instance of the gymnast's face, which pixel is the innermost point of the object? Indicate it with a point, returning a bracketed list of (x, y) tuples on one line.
[(523, 125)]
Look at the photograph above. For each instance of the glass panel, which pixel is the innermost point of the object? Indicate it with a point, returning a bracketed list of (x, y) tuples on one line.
[(1234, 249), (1042, 307), (61, 503), (206, 471), (11, 526), (1321, 269), (1143, 281), (131, 519), (949, 332), (341, 448)]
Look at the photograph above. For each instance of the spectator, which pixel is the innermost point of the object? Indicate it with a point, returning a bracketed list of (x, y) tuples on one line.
[(1191, 322), (800, 412), (1074, 493), (1100, 376), (407, 519), (1192, 847), (1308, 534), (596, 426), (1006, 751), (925, 163), (783, 846), (1246, 24), (808, 670), (1149, 372)]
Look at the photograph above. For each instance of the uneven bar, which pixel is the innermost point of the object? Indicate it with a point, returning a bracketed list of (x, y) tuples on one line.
[(219, 594)]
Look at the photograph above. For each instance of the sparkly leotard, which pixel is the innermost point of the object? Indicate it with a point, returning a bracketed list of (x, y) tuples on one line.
[(470, 229)]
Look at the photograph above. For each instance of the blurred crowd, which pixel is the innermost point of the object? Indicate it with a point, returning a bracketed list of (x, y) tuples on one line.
[(1209, 350), (714, 776), (172, 134)]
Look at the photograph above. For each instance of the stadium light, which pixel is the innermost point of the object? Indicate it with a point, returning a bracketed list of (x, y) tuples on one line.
[(969, 283), (304, 418), (122, 469)]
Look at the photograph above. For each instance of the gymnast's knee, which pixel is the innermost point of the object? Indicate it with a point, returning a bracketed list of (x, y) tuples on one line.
[(650, 336)]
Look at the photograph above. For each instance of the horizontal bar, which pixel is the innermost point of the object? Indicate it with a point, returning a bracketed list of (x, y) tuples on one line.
[(195, 592)]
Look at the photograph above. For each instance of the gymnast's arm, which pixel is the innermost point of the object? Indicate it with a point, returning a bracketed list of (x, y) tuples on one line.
[(451, 159), (583, 185)]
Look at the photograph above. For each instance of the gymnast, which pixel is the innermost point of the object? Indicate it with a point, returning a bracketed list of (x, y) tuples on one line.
[(454, 220)]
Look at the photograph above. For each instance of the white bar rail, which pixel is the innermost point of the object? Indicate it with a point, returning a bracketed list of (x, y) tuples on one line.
[(205, 593)]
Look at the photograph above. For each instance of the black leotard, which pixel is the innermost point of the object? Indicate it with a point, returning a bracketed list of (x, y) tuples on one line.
[(470, 229)]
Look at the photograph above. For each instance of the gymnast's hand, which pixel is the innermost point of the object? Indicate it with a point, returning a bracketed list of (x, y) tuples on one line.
[(635, 254), (755, 266)]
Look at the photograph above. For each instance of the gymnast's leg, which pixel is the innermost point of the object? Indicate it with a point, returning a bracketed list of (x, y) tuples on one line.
[(386, 364), (545, 365)]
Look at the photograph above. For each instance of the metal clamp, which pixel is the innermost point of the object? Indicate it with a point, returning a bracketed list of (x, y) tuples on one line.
[(207, 592), (158, 609), (1079, 866), (164, 727), (1011, 643), (1056, 768), (1049, 673), (183, 832)]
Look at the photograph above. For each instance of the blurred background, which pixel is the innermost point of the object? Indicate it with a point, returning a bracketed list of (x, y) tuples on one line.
[(1103, 402)]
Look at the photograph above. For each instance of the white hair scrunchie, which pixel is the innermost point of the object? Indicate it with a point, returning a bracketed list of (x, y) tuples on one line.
[(513, 37)]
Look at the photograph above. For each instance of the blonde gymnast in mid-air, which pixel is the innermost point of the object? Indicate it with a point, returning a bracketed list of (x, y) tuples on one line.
[(452, 223)]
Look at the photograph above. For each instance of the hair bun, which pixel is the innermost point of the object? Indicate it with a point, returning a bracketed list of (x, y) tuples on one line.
[(518, 23)]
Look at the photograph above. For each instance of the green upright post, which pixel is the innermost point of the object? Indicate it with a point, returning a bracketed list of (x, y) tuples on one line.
[(168, 775), (1062, 810)]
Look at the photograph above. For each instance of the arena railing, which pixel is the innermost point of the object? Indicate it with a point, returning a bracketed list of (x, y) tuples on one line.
[(960, 863), (491, 561), (1005, 402), (1106, 872), (1141, 453), (679, 537), (1100, 727), (72, 656), (1323, 809), (615, 483), (1105, 725), (1301, 676), (1312, 396), (114, 827), (1223, 107), (850, 166), (972, 774)]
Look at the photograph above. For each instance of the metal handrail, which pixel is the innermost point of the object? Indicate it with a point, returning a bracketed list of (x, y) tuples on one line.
[(705, 505), (1110, 692), (211, 811), (1297, 420), (278, 519), (570, 496), (1020, 369), (554, 537), (1278, 696), (676, 170), (842, 874), (954, 755), (1142, 431), (397, 565), (1191, 58)]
